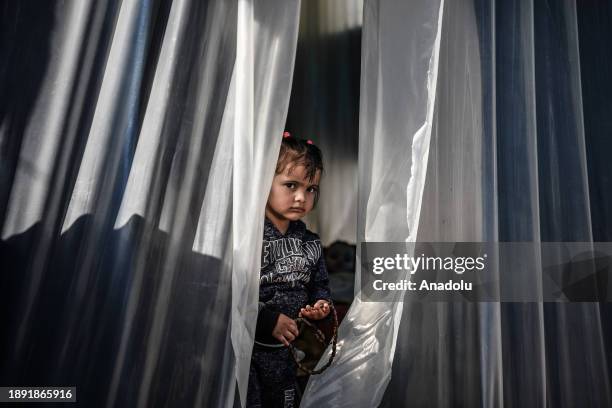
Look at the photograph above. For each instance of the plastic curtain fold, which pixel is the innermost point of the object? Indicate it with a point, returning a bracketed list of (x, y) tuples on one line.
[(130, 133), (267, 38), (515, 155), (130, 136), (508, 162), (324, 107), (397, 95)]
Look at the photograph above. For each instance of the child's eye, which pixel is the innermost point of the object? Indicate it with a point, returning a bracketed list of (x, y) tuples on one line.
[(290, 185), (312, 189)]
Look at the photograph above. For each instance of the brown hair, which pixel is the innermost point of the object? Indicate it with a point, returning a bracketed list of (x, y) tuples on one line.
[(299, 152)]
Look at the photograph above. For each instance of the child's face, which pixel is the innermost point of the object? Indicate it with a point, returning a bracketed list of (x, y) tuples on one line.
[(292, 195)]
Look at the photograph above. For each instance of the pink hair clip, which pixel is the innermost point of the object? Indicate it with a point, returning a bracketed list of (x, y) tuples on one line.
[(309, 141), (286, 134)]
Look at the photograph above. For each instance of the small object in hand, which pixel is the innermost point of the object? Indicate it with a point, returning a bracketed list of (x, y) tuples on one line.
[(311, 342), (319, 311)]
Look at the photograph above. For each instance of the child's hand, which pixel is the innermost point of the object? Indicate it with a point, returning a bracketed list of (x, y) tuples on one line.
[(285, 330), (316, 312)]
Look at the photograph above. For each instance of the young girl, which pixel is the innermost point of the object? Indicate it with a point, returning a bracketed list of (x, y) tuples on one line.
[(293, 279)]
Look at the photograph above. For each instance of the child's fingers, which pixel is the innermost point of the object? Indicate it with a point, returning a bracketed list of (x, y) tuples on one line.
[(289, 337), (309, 314), (316, 312), (314, 315), (321, 313), (293, 330), (280, 337)]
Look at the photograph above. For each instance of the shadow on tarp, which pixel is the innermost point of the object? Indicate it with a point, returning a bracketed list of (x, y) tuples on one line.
[(194, 346)]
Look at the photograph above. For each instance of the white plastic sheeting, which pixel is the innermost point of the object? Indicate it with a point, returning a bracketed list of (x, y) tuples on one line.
[(508, 161), (43, 134), (134, 178), (138, 145), (400, 44), (324, 107), (267, 36)]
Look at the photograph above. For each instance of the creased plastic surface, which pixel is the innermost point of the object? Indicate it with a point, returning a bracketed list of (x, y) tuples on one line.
[(397, 101)]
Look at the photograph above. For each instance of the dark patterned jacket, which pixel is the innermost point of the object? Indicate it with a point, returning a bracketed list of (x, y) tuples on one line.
[(293, 275)]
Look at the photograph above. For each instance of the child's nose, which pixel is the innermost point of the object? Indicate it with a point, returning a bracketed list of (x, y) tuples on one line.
[(299, 196)]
